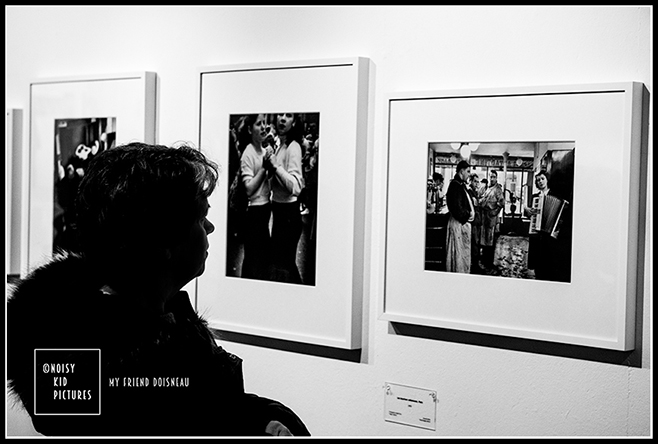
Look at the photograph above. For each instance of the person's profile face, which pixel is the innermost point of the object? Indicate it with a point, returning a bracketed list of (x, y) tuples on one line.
[(190, 255)]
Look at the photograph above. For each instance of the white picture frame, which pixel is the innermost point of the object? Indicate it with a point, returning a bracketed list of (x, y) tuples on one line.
[(128, 98), (13, 186), (328, 312), (596, 308)]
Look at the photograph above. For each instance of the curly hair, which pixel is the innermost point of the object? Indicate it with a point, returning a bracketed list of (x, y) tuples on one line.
[(137, 197), (543, 173)]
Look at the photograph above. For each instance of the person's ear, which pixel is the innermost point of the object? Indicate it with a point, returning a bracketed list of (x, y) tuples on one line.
[(161, 254)]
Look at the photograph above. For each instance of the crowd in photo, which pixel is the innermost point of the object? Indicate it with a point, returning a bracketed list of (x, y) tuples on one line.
[(483, 233), (273, 170), (77, 142)]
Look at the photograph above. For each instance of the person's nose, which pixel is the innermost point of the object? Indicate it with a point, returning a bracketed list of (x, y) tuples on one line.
[(209, 227)]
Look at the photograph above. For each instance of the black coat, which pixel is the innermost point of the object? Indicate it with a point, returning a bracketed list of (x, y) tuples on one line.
[(458, 201), (60, 306), (551, 257)]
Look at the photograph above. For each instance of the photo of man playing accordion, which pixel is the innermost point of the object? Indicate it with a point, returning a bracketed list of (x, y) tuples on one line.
[(549, 251)]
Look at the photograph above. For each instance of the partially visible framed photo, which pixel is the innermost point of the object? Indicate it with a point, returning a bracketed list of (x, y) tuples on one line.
[(13, 175), (71, 120), (287, 255), (516, 212)]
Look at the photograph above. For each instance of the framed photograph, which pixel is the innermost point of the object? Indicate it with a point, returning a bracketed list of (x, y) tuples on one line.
[(71, 120), (516, 212), (13, 158), (287, 255)]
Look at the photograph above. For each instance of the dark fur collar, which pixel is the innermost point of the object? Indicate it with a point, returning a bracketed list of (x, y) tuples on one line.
[(60, 305)]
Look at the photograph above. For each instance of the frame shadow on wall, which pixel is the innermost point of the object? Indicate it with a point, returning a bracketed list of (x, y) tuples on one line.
[(628, 358), (320, 351)]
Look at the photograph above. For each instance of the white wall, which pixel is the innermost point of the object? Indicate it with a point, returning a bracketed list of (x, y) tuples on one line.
[(483, 390)]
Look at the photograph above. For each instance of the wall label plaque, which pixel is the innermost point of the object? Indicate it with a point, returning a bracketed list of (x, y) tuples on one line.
[(410, 406)]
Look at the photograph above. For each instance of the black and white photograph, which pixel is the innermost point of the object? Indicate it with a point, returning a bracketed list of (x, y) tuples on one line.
[(77, 141), (289, 222), (272, 197), (470, 257), (500, 209)]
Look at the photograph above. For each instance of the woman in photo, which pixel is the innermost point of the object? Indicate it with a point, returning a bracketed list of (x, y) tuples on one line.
[(287, 182), (256, 262)]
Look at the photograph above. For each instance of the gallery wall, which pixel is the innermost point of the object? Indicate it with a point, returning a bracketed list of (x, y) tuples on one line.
[(486, 386)]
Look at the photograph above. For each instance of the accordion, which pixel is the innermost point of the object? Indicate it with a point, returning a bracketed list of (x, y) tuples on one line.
[(549, 218)]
